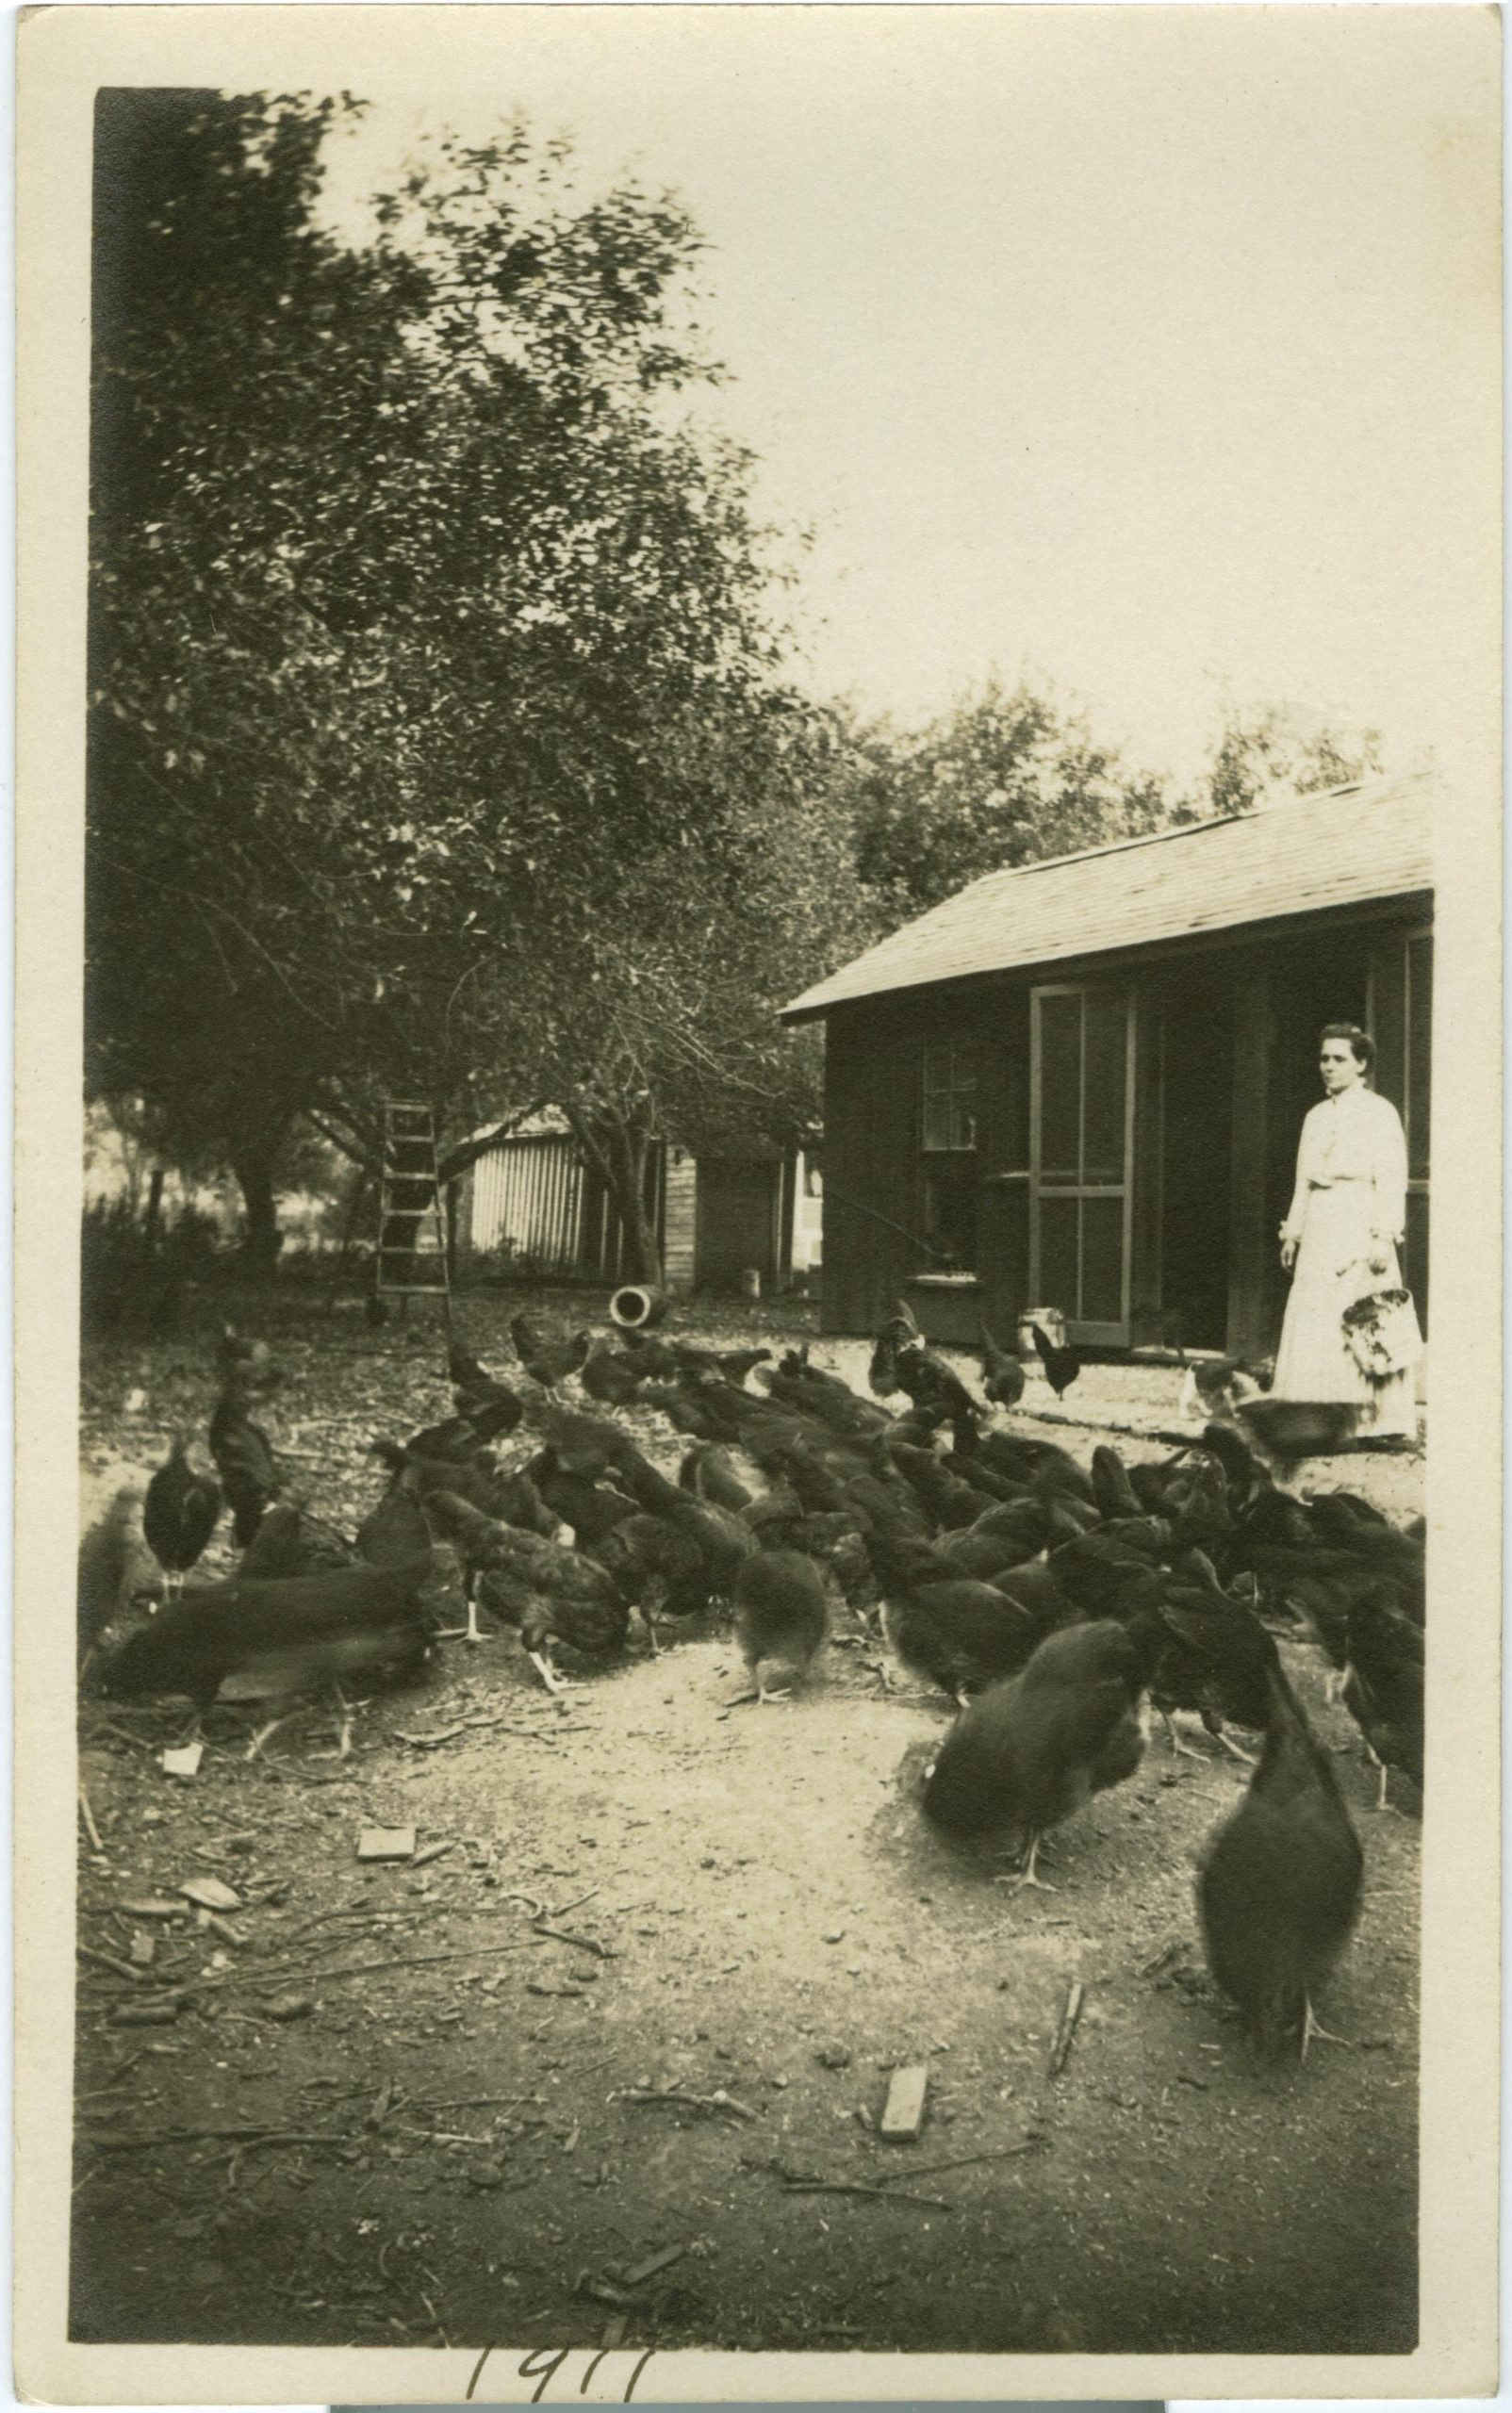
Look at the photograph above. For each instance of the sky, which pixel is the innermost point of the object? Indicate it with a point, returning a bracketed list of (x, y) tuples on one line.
[(1151, 350)]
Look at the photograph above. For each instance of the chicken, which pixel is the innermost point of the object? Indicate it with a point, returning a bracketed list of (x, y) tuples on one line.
[(957, 1632), (459, 1436), (284, 1635), (655, 1566), (179, 1515), (116, 1571), (1280, 1883), (1061, 1366), (476, 1392), (1026, 1755), (1209, 1659), (547, 1362), (1003, 1376), (546, 1591), (396, 1529), (1284, 1432), (1113, 1492), (709, 1475), (781, 1618), (946, 1500), (244, 1461), (723, 1536), (289, 1541), (612, 1376), (248, 1363), (1384, 1683), (929, 1381)]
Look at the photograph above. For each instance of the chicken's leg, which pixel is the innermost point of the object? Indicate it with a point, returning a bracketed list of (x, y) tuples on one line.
[(1310, 2028), (343, 1748), (1026, 1875), (553, 1682), (1179, 1751)]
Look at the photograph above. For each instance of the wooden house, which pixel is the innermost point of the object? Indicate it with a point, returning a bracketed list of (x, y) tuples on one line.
[(1079, 1084), (529, 1201)]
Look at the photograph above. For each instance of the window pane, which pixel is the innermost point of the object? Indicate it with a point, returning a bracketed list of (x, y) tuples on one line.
[(950, 1214), (1060, 1090), (1058, 1256), (1102, 1261), (936, 1122), (1420, 1054), (1106, 1069)]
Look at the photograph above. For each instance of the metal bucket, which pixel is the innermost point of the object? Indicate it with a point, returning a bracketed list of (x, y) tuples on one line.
[(636, 1307)]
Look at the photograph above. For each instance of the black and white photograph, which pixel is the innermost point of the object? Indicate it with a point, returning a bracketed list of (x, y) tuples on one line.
[(758, 859)]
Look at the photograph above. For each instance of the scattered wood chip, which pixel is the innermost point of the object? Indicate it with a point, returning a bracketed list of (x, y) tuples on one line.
[(208, 1893), (641, 2271), (184, 1762), (145, 2014), (432, 1851), (613, 2333), (903, 2113), (149, 1906), (287, 2006), (143, 1950), (386, 1843)]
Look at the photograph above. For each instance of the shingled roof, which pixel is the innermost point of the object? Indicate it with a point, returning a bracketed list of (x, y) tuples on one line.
[(1303, 854)]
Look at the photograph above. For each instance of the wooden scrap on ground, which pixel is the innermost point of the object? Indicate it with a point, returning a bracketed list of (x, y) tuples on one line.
[(386, 1843), (903, 2113)]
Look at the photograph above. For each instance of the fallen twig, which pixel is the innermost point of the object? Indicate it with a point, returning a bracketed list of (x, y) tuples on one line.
[(584, 1942), (1076, 1996), (119, 2138), (88, 1817), (719, 2101), (960, 2160), (859, 2187)]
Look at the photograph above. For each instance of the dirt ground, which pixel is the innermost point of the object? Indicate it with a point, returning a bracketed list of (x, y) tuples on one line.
[(644, 2003)]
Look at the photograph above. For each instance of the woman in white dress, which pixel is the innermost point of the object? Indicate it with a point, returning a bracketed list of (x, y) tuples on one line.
[(1341, 1234)]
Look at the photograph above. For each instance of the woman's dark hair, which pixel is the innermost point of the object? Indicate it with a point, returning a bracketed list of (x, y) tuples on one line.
[(1363, 1046)]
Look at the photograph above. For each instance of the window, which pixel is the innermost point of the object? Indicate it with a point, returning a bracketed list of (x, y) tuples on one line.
[(948, 1145)]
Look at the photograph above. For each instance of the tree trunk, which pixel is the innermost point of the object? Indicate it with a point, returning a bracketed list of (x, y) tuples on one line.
[(254, 1168), (627, 1157), (155, 1209), (617, 1152)]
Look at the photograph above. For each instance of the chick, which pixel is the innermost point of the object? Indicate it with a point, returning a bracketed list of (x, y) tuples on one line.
[(781, 1618)]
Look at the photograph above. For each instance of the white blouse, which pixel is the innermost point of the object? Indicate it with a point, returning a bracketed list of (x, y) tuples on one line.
[(1356, 1137)]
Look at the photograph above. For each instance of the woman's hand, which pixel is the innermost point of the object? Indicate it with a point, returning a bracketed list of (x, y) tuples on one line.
[(1288, 1252)]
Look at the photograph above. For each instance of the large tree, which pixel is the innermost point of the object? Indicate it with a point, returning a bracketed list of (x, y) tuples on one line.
[(433, 664), (1006, 775), (1270, 751)]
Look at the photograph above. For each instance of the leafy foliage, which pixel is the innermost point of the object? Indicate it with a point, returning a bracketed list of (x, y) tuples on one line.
[(1007, 775), (1276, 750)]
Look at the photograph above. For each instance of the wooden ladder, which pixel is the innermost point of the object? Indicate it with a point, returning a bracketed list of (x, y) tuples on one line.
[(412, 1253)]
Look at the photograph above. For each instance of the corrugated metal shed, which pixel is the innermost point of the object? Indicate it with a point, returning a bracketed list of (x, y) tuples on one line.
[(1303, 854)]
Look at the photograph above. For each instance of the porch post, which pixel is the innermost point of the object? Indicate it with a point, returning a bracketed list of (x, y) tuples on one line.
[(1252, 1242)]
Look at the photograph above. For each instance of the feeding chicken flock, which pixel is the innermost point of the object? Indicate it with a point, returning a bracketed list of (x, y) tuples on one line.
[(1055, 1604)]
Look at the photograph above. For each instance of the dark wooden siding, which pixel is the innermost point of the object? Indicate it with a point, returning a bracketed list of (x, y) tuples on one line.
[(870, 1163), (1228, 1068)]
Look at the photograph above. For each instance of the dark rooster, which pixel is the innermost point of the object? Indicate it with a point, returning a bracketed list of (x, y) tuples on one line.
[(283, 1637), (544, 1590), (1025, 1755), (547, 1362), (781, 1618), (928, 1380), (1280, 1883), (180, 1514), (1003, 1376), (396, 1529), (244, 1461), (1061, 1366), (459, 1436)]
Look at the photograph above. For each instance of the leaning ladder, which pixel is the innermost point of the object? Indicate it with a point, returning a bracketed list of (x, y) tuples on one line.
[(412, 1254)]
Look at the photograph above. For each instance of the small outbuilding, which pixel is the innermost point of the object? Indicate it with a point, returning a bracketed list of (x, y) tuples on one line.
[(528, 1201), (1078, 1085)]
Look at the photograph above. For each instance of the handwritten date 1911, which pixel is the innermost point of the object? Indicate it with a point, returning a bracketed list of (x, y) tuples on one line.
[(543, 2365)]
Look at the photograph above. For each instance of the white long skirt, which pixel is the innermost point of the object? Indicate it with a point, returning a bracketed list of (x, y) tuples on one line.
[(1332, 1270)]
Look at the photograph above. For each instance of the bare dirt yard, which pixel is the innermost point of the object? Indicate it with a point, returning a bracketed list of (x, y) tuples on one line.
[(608, 2065)]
